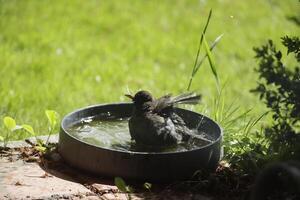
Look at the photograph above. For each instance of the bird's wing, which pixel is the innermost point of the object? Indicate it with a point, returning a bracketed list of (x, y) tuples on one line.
[(163, 130), (187, 98), (162, 104)]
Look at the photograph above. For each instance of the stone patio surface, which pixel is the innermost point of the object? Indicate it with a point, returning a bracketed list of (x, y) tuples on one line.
[(32, 180)]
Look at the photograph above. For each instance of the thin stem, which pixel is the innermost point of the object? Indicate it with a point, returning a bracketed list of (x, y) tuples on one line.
[(199, 47), (50, 132), (5, 142)]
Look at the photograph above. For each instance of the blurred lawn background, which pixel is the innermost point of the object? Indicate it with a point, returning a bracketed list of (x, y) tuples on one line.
[(63, 55)]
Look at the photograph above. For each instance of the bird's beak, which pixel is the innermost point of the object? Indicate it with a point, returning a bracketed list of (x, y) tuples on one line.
[(129, 96)]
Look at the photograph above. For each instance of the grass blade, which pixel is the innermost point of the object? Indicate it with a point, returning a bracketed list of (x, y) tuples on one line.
[(211, 62), (199, 47), (255, 121), (214, 44)]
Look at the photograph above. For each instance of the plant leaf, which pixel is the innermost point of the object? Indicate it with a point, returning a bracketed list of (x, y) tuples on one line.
[(147, 186), (40, 142), (40, 148), (1, 138), (217, 40), (28, 128), (129, 189), (120, 183), (9, 123), (52, 117), (211, 60)]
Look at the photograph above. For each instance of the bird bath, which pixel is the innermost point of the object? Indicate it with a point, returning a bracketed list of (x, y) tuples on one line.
[(96, 139)]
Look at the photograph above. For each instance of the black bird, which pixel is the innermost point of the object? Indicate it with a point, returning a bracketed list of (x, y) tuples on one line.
[(154, 121)]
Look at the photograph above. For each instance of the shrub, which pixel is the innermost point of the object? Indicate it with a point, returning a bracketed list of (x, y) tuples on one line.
[(279, 88)]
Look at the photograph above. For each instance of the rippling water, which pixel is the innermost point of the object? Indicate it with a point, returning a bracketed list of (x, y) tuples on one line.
[(114, 134)]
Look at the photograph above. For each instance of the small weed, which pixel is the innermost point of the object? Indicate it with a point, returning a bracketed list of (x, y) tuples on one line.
[(121, 185), (11, 126), (53, 119), (40, 145)]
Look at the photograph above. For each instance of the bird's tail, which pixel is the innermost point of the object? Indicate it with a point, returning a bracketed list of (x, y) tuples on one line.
[(187, 98)]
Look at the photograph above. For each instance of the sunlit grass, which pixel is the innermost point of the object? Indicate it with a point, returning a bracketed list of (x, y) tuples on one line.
[(63, 55)]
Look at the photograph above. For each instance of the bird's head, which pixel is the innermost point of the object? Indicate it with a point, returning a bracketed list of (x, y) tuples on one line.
[(140, 97)]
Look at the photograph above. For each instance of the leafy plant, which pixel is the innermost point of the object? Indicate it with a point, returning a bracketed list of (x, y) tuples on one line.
[(279, 88), (53, 119), (29, 129), (40, 145), (246, 149), (121, 185), (11, 126)]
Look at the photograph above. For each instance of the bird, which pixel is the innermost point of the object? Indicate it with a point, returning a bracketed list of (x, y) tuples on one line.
[(154, 122)]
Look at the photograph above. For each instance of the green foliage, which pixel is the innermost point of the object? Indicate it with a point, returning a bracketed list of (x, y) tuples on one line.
[(53, 118), (246, 149), (9, 123), (293, 44), (11, 126), (120, 183), (40, 145), (29, 129), (249, 149), (279, 88), (243, 142)]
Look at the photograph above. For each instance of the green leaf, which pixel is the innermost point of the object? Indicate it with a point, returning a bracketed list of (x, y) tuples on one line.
[(9, 123), (120, 183), (147, 186), (40, 142), (52, 117), (211, 60), (40, 148), (28, 128), (1, 138)]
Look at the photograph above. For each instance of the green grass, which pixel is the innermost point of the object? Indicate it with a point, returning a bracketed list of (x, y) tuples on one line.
[(64, 55)]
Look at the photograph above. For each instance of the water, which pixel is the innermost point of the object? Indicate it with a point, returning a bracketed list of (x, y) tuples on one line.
[(114, 134)]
